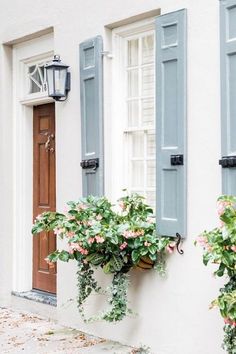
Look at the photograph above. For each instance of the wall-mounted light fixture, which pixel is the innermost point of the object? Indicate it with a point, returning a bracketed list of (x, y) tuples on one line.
[(58, 79)]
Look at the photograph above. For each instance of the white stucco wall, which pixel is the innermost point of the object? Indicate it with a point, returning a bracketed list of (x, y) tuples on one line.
[(173, 312)]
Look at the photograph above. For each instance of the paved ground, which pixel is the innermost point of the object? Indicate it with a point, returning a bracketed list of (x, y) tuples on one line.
[(22, 332)]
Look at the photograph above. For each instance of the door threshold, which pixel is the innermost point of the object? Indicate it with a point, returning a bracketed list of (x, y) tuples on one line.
[(37, 295)]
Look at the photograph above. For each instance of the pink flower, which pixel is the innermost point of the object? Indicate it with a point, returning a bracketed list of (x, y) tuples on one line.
[(150, 220), (209, 248), (39, 217), (229, 322), (70, 217), (122, 205), (147, 244), (99, 239), (99, 217), (77, 247), (233, 248), (171, 247), (90, 222), (82, 250), (133, 234), (222, 224), (70, 234), (91, 240), (221, 205), (202, 241), (123, 245), (58, 231), (81, 207)]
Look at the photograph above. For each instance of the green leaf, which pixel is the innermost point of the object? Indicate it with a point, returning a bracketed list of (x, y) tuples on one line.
[(206, 258), (107, 268), (144, 251), (152, 249), (135, 255), (221, 270), (64, 256), (137, 242), (116, 263), (95, 258)]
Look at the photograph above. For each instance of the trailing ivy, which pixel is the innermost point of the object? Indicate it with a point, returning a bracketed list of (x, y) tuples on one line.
[(118, 298), (86, 285)]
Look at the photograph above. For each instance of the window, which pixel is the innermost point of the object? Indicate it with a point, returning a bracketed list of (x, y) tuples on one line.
[(37, 78), (139, 129)]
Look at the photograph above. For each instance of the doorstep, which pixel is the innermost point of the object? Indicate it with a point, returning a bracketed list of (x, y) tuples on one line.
[(38, 296), (21, 303)]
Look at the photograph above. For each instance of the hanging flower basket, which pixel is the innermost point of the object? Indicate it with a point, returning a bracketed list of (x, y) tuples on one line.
[(114, 239), (145, 263)]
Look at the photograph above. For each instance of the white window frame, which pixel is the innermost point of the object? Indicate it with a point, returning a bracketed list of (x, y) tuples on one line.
[(119, 88)]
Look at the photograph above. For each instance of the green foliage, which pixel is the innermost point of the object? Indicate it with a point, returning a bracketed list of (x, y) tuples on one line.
[(118, 299), (115, 239), (86, 284), (219, 248), (229, 342)]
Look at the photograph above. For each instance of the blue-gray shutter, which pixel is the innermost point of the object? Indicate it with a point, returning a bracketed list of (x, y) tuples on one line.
[(171, 123), (228, 94), (91, 96)]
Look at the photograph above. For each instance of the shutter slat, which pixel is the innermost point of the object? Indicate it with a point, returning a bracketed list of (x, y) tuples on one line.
[(91, 95), (171, 122), (228, 90)]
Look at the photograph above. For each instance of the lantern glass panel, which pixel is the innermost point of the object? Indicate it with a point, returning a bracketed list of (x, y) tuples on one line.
[(60, 81), (50, 77)]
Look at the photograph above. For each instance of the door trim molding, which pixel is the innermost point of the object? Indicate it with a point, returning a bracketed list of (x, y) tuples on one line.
[(23, 160)]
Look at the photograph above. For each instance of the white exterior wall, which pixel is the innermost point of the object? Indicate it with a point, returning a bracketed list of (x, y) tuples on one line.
[(173, 312)]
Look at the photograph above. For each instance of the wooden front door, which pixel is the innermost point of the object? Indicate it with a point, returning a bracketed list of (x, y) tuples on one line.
[(44, 193)]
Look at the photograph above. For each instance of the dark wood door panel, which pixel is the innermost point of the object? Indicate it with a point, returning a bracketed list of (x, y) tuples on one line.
[(44, 193)]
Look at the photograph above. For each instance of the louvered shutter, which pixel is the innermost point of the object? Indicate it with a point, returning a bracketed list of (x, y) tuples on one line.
[(228, 95), (171, 123), (91, 95)]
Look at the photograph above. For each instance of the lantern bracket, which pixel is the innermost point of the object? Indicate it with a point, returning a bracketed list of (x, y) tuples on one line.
[(107, 54)]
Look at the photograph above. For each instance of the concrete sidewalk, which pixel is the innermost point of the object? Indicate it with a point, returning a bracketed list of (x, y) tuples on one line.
[(22, 332)]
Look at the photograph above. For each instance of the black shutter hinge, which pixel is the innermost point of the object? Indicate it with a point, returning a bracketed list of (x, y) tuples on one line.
[(90, 164), (176, 160), (228, 161)]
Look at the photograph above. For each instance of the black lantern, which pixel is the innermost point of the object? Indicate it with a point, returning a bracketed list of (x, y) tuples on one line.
[(58, 79)]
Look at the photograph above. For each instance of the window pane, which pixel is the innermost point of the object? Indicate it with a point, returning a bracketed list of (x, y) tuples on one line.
[(140, 121), (133, 83), (151, 144), (133, 113), (151, 172), (36, 75), (137, 174), (35, 80), (32, 69), (148, 81), (137, 144), (147, 49), (148, 111), (151, 198), (133, 52)]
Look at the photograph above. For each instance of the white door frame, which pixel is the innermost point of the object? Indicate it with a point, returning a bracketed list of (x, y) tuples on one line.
[(26, 53)]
